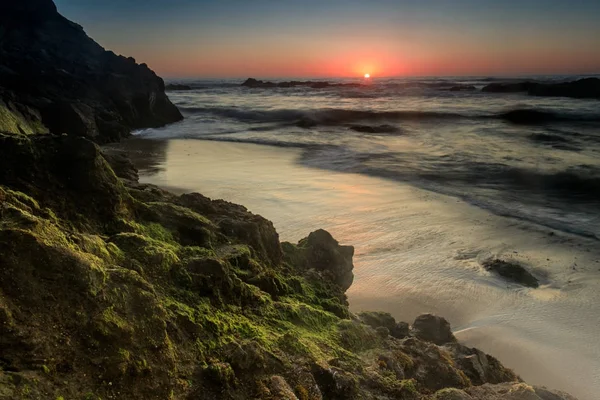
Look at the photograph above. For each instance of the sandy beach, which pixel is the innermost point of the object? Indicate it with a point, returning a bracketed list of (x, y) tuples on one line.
[(416, 251)]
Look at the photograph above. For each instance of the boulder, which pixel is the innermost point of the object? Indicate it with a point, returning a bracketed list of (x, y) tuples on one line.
[(401, 330), (50, 66), (432, 328), (512, 272), (324, 254)]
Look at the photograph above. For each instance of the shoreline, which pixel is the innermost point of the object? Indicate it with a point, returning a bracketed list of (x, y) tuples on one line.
[(178, 156)]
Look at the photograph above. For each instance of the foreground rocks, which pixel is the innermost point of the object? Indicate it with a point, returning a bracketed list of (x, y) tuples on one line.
[(53, 77), (112, 289)]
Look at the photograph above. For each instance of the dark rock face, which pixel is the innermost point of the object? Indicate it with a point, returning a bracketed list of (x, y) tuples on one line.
[(432, 328), (324, 254), (512, 271), (49, 65)]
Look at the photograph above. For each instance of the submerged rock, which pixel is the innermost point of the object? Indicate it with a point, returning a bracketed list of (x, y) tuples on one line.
[(56, 78), (511, 271)]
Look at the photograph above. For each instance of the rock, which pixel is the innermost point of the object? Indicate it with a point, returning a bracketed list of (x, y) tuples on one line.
[(324, 254), (401, 330), (177, 87), (65, 173), (587, 88), (511, 271), (451, 394), (336, 383), (514, 391), (121, 164), (432, 328), (376, 319), (280, 389), (478, 366), (75, 85), (255, 83)]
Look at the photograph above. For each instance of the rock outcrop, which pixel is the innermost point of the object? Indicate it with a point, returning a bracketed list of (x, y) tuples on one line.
[(114, 289), (53, 77), (433, 328)]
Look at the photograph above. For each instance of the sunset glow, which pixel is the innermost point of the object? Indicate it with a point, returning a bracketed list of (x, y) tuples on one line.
[(347, 39), (367, 76)]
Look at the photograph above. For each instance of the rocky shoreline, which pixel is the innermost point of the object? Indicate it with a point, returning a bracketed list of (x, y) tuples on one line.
[(112, 289), (150, 295)]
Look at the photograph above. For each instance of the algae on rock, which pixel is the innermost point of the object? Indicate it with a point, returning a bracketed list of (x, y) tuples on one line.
[(113, 289)]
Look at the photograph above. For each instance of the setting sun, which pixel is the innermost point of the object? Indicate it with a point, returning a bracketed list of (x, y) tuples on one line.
[(367, 76)]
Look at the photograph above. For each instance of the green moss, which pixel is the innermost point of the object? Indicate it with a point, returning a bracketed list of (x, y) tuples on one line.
[(157, 232), (355, 336), (13, 122), (188, 252), (153, 255), (450, 394)]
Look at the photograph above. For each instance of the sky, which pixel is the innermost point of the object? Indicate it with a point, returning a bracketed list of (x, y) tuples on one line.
[(335, 38)]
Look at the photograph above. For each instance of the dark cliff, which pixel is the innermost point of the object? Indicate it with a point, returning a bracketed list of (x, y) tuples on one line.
[(53, 77)]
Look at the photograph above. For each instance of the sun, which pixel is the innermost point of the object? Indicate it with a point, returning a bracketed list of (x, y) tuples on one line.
[(367, 76)]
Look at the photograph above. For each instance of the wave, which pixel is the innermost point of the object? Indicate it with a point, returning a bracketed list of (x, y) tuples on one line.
[(323, 117), (312, 118)]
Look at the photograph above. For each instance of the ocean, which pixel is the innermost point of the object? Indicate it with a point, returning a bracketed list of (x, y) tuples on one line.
[(426, 183)]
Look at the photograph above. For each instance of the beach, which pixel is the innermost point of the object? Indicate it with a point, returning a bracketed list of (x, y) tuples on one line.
[(416, 251)]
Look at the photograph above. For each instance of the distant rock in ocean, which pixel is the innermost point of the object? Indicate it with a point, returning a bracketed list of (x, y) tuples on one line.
[(255, 83), (587, 88), (53, 77)]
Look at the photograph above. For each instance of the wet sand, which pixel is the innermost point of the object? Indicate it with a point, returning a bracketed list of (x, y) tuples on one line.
[(416, 252)]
